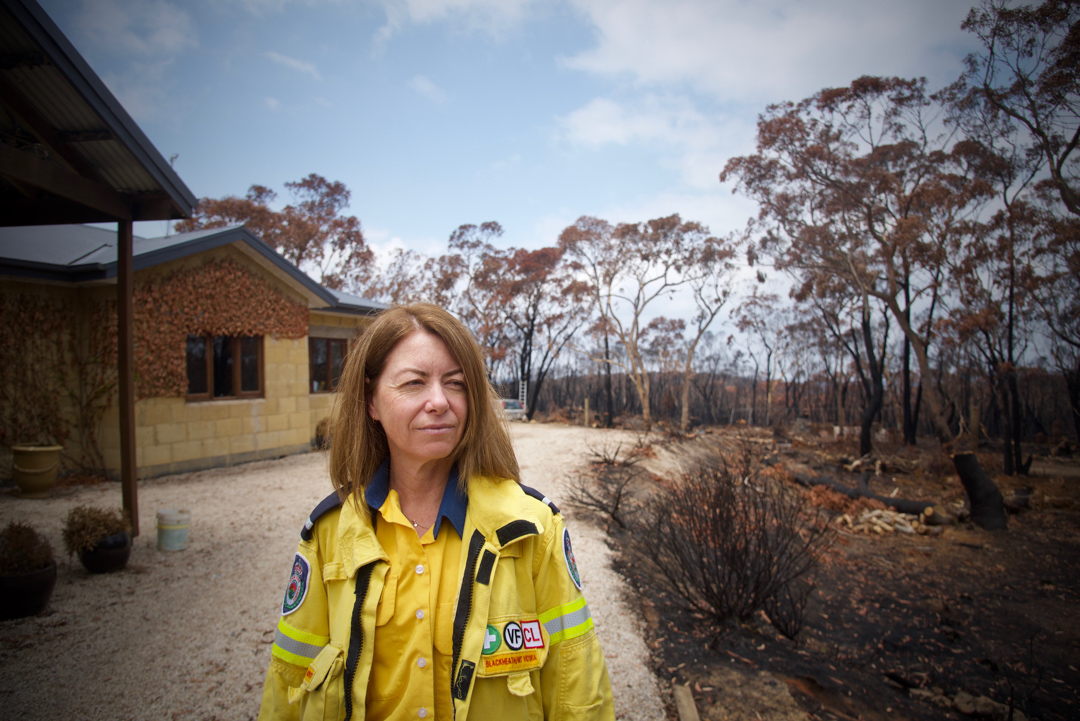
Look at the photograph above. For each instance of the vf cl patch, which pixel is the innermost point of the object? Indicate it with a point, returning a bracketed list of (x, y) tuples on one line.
[(517, 648)]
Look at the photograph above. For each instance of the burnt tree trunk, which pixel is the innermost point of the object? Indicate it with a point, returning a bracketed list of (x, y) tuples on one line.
[(987, 504), (875, 388), (1072, 382), (609, 420)]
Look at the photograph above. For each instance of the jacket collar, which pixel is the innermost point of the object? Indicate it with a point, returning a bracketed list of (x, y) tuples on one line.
[(489, 505), (453, 507)]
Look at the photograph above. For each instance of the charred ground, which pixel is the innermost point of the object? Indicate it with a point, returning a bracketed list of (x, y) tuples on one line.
[(898, 626)]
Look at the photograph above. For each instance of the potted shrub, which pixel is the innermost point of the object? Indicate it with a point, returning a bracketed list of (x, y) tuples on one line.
[(101, 537), (27, 571)]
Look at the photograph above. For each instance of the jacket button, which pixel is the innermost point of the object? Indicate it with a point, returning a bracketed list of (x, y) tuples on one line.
[(422, 713), (420, 568), (421, 662), (420, 614)]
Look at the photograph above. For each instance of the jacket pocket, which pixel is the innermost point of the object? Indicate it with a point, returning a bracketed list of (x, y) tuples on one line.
[(584, 713), (323, 692)]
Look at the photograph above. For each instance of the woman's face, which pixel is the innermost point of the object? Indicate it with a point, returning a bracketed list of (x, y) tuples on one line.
[(420, 399)]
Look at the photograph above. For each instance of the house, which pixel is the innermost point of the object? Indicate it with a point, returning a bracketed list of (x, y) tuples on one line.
[(236, 352)]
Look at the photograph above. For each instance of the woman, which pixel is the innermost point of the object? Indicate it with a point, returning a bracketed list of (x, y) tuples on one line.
[(431, 584)]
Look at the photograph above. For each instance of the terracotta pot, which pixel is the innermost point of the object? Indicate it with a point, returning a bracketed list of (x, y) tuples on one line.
[(24, 594), (110, 554), (35, 469)]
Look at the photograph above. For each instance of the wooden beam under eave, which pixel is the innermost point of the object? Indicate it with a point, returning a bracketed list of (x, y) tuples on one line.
[(125, 291), (46, 209), (23, 167), (25, 114), (153, 207)]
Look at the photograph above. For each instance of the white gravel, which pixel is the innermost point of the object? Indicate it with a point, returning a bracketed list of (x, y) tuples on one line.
[(186, 635)]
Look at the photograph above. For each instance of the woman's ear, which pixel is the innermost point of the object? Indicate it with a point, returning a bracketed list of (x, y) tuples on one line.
[(370, 402)]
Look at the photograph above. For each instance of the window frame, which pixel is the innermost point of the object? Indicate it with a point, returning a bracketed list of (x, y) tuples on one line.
[(331, 386), (237, 369)]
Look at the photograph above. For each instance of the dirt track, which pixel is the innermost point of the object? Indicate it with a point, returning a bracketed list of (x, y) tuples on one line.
[(187, 635)]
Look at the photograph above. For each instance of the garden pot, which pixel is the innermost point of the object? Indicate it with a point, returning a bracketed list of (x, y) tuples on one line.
[(110, 554), (35, 469), (24, 594)]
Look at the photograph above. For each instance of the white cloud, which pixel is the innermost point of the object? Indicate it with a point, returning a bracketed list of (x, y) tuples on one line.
[(651, 118), (771, 49), (428, 89), (150, 28), (149, 35), (272, 103), (384, 244), (696, 144), (294, 64), (492, 16)]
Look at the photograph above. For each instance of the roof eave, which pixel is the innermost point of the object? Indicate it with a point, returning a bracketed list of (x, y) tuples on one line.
[(181, 201)]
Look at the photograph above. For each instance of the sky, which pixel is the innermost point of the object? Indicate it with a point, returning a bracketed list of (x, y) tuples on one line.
[(531, 113)]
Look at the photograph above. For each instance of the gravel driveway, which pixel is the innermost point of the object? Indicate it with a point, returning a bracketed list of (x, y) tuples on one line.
[(186, 635)]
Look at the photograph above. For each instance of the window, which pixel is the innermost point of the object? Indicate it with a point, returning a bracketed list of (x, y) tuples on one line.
[(224, 366), (326, 357)]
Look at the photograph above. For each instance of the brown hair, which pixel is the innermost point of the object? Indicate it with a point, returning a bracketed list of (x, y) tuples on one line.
[(358, 444)]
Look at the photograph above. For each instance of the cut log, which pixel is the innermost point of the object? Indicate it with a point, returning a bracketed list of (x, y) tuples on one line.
[(903, 505)]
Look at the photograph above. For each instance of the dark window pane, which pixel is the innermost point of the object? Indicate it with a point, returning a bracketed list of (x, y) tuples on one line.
[(223, 365), (319, 364), (196, 364), (337, 359), (249, 363)]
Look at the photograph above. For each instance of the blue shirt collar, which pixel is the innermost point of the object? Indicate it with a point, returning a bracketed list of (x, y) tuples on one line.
[(453, 507)]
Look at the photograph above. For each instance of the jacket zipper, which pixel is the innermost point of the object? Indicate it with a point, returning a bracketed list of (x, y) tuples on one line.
[(461, 619), (356, 634)]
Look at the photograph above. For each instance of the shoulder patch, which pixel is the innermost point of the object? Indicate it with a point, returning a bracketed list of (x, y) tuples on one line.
[(296, 591), (541, 497), (568, 556), (325, 506)]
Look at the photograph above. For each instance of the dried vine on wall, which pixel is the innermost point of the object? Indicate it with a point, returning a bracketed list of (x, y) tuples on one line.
[(219, 298), (93, 376), (32, 362), (57, 371)]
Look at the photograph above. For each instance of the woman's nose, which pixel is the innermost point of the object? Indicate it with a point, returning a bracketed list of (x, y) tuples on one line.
[(437, 398)]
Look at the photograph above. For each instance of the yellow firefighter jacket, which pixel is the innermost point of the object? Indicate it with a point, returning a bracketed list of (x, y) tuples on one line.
[(522, 638)]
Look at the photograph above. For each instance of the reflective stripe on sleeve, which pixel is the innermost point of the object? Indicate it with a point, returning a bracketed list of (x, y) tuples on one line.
[(297, 647), (568, 621)]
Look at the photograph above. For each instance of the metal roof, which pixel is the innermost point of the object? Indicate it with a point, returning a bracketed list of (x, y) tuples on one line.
[(69, 152), (84, 254), (355, 304)]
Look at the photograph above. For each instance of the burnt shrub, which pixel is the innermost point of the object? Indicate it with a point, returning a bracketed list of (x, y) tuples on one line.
[(606, 490), (727, 541)]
